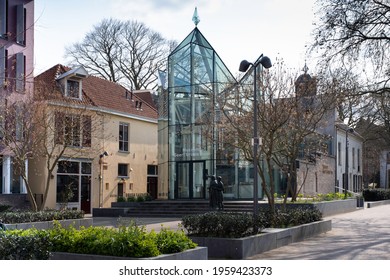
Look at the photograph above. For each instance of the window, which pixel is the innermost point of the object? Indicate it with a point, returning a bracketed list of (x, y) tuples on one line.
[(3, 66), (152, 170), (86, 131), (20, 72), (3, 18), (123, 170), (353, 158), (358, 160), (124, 137), (339, 152), (20, 25), (72, 130), (14, 121), (72, 176), (73, 88)]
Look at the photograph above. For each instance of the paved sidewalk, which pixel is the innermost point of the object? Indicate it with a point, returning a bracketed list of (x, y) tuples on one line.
[(359, 235)]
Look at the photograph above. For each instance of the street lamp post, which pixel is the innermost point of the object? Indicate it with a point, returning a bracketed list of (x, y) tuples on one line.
[(244, 65)]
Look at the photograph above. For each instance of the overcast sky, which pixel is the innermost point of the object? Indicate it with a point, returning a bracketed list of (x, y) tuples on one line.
[(237, 29)]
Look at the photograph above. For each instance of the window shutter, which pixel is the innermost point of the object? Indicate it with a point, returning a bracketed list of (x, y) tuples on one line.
[(20, 25), (3, 18), (2, 66), (20, 72)]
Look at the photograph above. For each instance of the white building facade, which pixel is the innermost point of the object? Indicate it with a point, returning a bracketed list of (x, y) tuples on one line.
[(349, 147)]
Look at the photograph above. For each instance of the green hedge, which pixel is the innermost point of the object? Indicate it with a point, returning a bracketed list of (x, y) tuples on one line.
[(127, 241), (24, 245), (236, 225), (4, 207), (40, 216), (376, 194)]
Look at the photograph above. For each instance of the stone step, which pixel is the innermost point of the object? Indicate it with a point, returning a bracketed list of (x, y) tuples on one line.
[(167, 208)]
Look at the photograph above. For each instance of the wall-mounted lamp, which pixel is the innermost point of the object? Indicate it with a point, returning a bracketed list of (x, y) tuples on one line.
[(104, 154)]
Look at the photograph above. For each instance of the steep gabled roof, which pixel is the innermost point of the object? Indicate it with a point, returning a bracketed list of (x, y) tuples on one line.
[(96, 92), (46, 87)]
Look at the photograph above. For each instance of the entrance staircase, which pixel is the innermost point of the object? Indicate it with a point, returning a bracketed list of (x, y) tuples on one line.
[(167, 208)]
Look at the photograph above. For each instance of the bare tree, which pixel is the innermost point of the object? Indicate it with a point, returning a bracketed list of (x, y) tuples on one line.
[(127, 52), (353, 39), (285, 121), (355, 32), (19, 138)]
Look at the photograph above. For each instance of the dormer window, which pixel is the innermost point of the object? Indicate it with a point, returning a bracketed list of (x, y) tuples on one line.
[(73, 89), (71, 82)]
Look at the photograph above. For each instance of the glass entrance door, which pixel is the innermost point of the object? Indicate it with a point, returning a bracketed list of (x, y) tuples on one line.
[(190, 182)]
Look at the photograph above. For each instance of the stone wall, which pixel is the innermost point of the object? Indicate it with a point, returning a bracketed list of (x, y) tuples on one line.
[(318, 177)]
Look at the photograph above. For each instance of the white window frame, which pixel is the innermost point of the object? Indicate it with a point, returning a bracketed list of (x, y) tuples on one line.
[(67, 89), (123, 141)]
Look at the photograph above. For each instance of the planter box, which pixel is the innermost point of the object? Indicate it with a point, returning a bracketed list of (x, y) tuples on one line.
[(242, 248), (77, 223), (334, 207), (377, 203), (199, 253)]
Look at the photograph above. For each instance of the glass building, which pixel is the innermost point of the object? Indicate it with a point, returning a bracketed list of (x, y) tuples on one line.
[(191, 144)]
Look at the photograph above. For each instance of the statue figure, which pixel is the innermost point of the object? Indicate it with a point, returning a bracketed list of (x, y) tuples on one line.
[(220, 190), (213, 192)]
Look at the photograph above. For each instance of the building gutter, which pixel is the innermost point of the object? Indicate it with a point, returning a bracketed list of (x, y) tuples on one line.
[(104, 110)]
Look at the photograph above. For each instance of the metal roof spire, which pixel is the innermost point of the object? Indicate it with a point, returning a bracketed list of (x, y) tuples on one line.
[(195, 17), (305, 68)]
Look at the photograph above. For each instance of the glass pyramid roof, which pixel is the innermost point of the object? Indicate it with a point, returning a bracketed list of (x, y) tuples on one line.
[(195, 62)]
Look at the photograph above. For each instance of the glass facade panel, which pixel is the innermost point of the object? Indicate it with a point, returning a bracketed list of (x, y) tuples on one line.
[(192, 105), (197, 81)]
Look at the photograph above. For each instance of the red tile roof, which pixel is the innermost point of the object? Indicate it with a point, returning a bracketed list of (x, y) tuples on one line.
[(97, 92)]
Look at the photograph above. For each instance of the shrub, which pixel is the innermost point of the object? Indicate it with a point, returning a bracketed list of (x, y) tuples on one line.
[(289, 217), (219, 224), (376, 194), (4, 208), (169, 241), (24, 245), (47, 215), (236, 225), (131, 241)]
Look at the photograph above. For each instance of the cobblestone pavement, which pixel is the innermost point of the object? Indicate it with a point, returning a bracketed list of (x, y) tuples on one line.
[(359, 235)]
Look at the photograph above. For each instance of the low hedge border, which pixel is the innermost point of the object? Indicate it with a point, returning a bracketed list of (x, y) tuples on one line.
[(376, 194), (16, 217)]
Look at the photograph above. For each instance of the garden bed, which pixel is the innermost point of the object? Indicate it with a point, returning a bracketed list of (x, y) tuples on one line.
[(270, 238)]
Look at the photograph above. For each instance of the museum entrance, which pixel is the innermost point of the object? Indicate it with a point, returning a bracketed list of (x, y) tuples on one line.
[(190, 181)]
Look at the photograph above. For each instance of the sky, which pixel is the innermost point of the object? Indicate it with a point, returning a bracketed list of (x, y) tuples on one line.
[(236, 29)]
